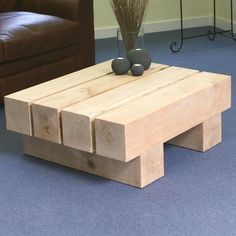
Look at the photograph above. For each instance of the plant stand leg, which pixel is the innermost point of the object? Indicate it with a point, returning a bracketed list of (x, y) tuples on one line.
[(174, 47)]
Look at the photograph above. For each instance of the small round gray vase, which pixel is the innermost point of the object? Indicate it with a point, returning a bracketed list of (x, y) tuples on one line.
[(137, 69), (120, 65)]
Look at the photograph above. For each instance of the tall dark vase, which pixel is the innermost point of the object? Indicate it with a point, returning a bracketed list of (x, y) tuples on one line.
[(127, 41)]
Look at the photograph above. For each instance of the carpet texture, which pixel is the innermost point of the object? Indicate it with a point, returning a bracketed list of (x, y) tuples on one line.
[(196, 197)]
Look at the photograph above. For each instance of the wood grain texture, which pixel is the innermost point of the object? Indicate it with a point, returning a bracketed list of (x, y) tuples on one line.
[(202, 137), (17, 105), (130, 129), (139, 172), (46, 111), (78, 119)]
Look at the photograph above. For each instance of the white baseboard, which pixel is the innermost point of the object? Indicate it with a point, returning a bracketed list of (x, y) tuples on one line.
[(151, 27), (224, 24), (168, 25)]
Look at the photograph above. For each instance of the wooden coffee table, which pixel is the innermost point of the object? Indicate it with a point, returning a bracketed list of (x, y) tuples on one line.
[(115, 126)]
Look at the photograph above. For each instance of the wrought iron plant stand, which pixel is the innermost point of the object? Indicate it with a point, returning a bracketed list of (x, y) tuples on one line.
[(211, 34)]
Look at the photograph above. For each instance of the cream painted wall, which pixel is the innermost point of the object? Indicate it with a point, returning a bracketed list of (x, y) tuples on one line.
[(223, 9), (163, 15), (159, 10)]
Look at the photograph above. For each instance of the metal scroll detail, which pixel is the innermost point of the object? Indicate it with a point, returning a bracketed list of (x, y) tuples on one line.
[(211, 34)]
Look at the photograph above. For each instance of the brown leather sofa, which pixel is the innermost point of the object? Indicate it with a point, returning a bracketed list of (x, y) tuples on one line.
[(43, 39)]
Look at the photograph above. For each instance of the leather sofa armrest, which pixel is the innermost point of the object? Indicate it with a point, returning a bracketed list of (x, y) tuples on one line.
[(67, 9), (8, 5), (87, 41), (80, 11)]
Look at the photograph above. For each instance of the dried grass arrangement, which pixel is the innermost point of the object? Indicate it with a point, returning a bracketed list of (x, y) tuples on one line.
[(129, 15)]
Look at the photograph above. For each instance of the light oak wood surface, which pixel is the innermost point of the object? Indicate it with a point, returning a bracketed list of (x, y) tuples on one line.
[(115, 126), (201, 137), (19, 104), (139, 172), (78, 119), (46, 111), (128, 130)]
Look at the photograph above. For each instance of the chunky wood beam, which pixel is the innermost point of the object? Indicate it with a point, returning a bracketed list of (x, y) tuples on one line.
[(128, 130), (46, 112), (202, 137), (78, 119), (19, 104), (139, 172)]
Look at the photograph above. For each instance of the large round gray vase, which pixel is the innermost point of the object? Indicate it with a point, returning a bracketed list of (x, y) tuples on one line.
[(140, 56)]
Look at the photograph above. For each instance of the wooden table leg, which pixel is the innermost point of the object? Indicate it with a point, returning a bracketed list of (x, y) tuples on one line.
[(202, 137), (139, 172)]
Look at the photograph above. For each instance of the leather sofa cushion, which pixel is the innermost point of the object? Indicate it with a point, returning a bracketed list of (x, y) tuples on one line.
[(17, 66), (25, 34), (67, 9), (8, 5)]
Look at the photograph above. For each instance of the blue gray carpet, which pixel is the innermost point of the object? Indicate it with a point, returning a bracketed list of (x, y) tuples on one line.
[(197, 196)]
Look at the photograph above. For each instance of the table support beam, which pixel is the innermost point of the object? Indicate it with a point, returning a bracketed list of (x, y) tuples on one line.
[(202, 137), (139, 172)]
